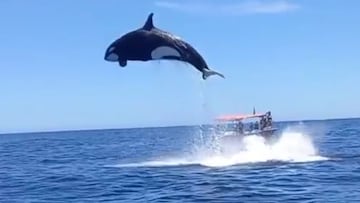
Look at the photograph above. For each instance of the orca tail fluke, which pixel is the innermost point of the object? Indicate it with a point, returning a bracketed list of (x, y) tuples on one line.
[(207, 73)]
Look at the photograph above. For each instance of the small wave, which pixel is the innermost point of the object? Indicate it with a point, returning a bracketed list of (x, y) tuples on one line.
[(160, 163)]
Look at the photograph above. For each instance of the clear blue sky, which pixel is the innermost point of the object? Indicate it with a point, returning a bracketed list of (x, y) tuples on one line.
[(299, 59)]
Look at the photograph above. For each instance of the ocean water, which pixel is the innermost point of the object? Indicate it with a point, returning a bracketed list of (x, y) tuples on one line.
[(310, 161)]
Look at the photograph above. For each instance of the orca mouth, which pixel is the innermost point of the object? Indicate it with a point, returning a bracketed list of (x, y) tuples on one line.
[(112, 57)]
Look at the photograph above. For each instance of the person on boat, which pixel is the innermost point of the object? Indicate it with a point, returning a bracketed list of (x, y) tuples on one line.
[(256, 126), (251, 126), (269, 119), (262, 123), (240, 127)]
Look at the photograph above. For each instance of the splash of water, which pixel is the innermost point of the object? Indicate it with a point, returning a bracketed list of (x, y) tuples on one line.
[(289, 147)]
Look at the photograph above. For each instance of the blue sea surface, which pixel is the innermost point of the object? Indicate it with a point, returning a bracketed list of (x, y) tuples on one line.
[(312, 161)]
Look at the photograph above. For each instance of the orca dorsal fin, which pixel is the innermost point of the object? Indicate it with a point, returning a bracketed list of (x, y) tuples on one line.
[(149, 22)]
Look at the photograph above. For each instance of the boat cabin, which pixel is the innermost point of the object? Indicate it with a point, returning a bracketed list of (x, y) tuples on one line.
[(248, 124)]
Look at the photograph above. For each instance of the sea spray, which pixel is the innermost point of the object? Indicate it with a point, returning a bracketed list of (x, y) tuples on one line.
[(291, 146), (207, 135)]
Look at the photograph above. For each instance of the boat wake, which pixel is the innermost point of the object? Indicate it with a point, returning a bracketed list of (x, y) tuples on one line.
[(294, 147)]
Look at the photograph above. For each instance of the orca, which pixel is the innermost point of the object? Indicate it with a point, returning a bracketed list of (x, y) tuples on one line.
[(151, 43)]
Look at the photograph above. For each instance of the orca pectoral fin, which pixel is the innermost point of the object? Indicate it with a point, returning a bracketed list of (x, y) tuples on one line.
[(207, 73), (122, 63)]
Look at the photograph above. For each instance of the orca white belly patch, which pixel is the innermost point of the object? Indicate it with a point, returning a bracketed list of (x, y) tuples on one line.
[(164, 51)]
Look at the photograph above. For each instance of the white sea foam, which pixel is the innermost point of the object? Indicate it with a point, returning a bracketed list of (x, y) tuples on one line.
[(291, 146)]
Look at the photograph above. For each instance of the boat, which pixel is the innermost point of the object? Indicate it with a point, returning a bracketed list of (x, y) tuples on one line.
[(246, 125)]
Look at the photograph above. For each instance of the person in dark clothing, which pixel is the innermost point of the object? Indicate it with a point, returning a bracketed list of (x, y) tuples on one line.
[(256, 126), (269, 119), (262, 123)]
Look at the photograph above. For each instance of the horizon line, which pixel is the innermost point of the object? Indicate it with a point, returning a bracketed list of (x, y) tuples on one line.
[(165, 126)]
